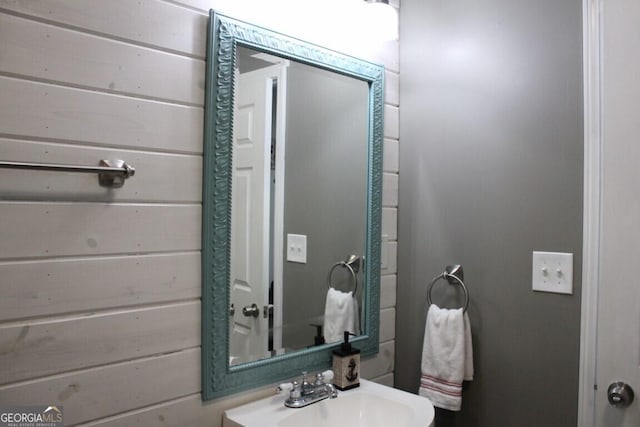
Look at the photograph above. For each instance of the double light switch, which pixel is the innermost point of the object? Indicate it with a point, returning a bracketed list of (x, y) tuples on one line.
[(297, 248), (553, 272)]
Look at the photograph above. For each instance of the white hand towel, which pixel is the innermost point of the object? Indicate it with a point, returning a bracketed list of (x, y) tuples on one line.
[(447, 357), (340, 314)]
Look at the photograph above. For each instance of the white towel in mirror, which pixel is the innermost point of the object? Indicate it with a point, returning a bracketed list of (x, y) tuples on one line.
[(340, 314)]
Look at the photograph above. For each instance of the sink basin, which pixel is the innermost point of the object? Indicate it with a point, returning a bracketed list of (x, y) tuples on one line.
[(371, 405)]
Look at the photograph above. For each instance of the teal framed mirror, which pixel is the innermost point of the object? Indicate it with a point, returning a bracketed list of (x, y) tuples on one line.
[(231, 41)]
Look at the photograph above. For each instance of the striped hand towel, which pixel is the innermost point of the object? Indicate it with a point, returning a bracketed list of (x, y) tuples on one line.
[(447, 357)]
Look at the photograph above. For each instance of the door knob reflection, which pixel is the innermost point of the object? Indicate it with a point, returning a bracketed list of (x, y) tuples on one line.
[(251, 311)]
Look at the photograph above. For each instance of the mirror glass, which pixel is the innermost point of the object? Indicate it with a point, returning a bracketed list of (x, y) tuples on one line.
[(298, 205), (291, 206)]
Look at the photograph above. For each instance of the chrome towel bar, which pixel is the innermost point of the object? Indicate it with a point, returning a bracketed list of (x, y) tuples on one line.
[(111, 173)]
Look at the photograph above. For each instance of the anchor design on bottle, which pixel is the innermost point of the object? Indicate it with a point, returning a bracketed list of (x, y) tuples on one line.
[(352, 375)]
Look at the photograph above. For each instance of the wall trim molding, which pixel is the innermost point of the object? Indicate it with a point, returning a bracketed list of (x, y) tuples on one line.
[(592, 87)]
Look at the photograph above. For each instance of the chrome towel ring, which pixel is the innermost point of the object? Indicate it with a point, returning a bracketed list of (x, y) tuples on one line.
[(454, 275), (352, 264)]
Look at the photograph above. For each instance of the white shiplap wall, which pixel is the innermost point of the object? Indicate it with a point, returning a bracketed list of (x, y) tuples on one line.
[(100, 289)]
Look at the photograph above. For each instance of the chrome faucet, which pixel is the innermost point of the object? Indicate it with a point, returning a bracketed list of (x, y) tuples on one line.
[(305, 393)]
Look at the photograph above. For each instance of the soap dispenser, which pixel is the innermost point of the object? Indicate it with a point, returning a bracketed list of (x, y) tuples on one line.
[(346, 365), (319, 338)]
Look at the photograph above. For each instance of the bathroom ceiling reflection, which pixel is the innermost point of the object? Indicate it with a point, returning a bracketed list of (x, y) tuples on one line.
[(298, 205)]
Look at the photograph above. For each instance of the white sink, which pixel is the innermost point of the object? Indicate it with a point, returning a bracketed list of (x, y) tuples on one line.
[(371, 405)]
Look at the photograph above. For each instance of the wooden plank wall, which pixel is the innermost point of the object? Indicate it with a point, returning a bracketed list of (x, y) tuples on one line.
[(100, 289)]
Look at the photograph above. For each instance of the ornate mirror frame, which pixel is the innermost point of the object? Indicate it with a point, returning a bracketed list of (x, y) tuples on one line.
[(224, 34)]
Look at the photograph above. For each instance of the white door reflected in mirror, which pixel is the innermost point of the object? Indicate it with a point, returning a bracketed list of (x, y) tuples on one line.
[(251, 236), (295, 210)]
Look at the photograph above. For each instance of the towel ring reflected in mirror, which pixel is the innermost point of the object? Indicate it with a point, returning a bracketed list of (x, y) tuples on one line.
[(352, 272), (353, 264), (451, 274)]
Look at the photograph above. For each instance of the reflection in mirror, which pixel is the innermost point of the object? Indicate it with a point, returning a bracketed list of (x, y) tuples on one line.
[(298, 205), (292, 188)]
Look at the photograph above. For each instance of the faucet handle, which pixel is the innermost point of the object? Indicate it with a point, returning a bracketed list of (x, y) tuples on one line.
[(284, 387), (328, 375), (324, 377)]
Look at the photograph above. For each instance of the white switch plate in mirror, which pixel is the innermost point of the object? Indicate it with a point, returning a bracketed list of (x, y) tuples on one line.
[(297, 248), (552, 272)]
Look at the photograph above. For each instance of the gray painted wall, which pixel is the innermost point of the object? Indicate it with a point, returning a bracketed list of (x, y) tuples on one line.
[(325, 189), (491, 160)]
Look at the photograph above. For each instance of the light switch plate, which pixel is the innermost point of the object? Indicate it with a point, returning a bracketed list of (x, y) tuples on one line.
[(552, 272), (297, 248)]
